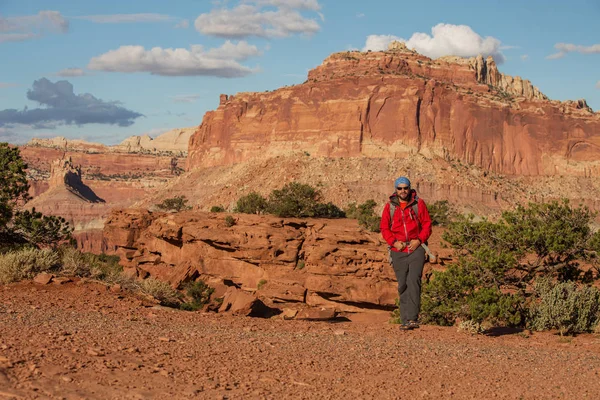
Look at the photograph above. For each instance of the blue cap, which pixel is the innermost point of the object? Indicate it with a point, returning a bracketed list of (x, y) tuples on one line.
[(402, 180)]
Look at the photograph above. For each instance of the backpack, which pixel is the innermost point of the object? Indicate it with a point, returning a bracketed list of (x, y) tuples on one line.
[(415, 208)]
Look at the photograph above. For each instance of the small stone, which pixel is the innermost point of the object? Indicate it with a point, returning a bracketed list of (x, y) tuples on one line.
[(95, 352), (289, 313), (115, 288), (339, 332), (166, 339), (44, 278), (66, 378)]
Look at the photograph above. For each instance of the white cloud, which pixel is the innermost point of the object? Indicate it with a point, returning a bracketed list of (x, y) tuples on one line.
[(17, 37), (125, 18), (598, 85), (221, 62), (556, 56), (445, 40), (294, 4), (524, 57), (183, 24), (7, 85), (564, 48), (17, 29), (71, 72), (239, 52), (185, 98), (248, 20)]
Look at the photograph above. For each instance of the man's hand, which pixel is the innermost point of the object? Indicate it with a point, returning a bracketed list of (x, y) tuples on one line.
[(414, 244), (399, 245)]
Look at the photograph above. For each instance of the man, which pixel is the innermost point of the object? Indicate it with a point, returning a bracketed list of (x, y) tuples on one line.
[(405, 231)]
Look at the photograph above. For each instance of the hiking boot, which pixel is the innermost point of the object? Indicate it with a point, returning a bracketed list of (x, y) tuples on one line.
[(405, 327), (413, 324)]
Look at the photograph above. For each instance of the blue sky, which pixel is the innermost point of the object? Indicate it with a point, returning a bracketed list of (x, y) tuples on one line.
[(105, 70)]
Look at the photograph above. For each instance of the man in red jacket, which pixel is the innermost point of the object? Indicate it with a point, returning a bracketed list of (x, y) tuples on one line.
[(405, 225)]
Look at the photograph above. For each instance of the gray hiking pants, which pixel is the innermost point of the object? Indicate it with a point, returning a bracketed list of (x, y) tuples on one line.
[(408, 269)]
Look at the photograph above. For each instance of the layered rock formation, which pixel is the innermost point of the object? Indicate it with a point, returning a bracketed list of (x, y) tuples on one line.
[(397, 103), (318, 262), (82, 182), (173, 142)]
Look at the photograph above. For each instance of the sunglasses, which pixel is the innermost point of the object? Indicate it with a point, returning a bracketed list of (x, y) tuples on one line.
[(403, 188)]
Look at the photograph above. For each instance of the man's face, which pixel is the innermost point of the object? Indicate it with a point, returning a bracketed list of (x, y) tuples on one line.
[(403, 192)]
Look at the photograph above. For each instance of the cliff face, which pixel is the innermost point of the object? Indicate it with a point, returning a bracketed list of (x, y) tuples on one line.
[(396, 103)]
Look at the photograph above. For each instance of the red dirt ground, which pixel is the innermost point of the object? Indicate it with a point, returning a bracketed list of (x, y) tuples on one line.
[(82, 341)]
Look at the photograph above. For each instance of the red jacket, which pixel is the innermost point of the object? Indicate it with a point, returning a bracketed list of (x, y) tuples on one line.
[(405, 227)]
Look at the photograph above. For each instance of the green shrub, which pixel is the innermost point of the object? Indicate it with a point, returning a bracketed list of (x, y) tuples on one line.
[(41, 229), (252, 203), (395, 318), (293, 200), (26, 263), (458, 294), (440, 213), (199, 294), (261, 283), (229, 221), (564, 306), (498, 262), (351, 211), (161, 291), (177, 203), (217, 209), (328, 210), (365, 214)]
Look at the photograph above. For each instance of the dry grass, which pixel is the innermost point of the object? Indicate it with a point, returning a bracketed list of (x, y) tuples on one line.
[(26, 263)]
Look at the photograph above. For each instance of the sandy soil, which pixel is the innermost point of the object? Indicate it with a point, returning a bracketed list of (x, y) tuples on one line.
[(80, 340)]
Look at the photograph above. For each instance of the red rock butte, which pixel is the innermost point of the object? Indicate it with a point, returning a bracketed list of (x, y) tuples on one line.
[(394, 103)]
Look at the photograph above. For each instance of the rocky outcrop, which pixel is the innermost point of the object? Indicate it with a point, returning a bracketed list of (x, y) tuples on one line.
[(398, 103), (487, 72), (173, 142), (318, 262), (65, 175)]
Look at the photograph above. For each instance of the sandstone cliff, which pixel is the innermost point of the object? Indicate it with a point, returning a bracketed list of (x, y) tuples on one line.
[(396, 103)]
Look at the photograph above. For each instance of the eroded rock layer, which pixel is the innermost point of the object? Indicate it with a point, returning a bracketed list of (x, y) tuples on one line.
[(396, 103), (319, 262)]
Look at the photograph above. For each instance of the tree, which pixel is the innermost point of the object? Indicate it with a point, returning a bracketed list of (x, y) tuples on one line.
[(252, 203), (14, 187), (294, 200), (24, 226), (177, 203)]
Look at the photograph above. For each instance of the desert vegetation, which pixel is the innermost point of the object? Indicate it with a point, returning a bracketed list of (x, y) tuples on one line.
[(294, 200), (177, 203), (534, 267)]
